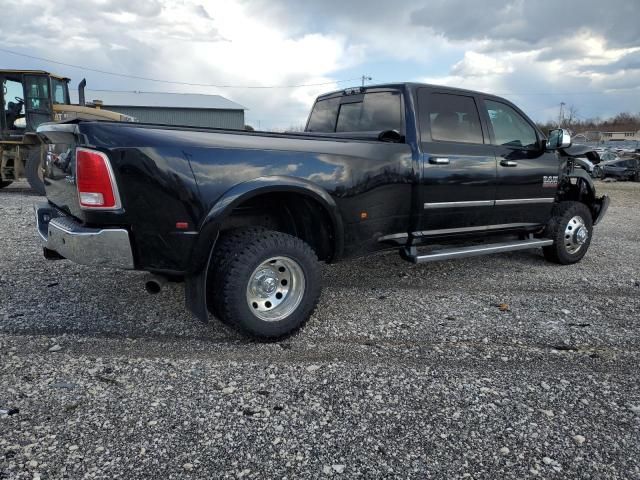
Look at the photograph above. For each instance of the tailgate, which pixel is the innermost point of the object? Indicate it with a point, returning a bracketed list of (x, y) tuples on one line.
[(59, 166)]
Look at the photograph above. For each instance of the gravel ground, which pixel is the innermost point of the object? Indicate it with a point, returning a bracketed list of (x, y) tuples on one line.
[(403, 372)]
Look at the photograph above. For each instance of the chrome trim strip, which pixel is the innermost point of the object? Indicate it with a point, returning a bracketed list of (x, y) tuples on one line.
[(524, 201), (480, 250), (394, 236), (481, 228), (488, 203), (472, 203)]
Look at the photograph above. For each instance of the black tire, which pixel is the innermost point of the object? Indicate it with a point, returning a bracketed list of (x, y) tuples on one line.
[(237, 256), (33, 170), (563, 230), (5, 184)]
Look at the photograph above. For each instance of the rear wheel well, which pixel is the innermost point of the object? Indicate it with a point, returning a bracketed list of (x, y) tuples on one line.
[(293, 213)]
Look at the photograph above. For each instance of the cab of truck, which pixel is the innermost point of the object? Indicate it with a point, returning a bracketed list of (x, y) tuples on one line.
[(27, 100)]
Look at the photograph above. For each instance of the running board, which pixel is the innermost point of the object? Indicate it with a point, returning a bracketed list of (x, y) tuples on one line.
[(411, 255)]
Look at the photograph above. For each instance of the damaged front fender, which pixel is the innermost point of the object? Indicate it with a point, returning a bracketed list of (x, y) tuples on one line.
[(577, 185), (599, 208)]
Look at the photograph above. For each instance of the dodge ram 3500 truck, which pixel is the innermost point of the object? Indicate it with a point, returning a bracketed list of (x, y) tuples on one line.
[(245, 217)]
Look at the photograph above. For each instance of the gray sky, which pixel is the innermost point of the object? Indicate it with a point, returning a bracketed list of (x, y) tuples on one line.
[(536, 53)]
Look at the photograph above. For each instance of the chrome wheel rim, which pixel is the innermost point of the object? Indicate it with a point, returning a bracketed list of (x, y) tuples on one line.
[(275, 289), (576, 234)]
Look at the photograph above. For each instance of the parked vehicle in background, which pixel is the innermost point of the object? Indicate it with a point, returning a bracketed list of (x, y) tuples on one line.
[(29, 98), (244, 217), (625, 168)]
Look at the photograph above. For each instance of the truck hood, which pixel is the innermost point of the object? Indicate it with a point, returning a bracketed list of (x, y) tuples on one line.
[(579, 150)]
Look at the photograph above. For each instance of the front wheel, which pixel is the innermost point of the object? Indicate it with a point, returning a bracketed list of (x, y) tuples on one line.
[(570, 228), (264, 283)]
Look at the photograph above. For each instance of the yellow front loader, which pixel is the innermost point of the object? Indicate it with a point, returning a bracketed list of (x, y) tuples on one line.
[(29, 98)]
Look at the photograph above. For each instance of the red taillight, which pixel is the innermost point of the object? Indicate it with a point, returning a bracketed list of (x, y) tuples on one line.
[(94, 178)]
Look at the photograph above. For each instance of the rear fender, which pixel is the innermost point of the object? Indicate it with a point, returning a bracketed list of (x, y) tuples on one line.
[(196, 280)]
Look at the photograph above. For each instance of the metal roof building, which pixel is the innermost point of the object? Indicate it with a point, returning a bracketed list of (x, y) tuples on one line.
[(196, 110)]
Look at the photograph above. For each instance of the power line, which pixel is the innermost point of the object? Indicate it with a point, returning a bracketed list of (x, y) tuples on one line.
[(567, 93), (363, 78), (148, 79)]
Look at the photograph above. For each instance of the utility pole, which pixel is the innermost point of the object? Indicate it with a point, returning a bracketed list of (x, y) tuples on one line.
[(365, 79), (561, 115)]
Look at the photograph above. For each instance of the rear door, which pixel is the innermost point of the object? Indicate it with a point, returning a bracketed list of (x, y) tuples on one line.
[(457, 184), (527, 174)]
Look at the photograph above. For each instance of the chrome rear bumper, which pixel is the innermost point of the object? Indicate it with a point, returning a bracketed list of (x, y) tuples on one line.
[(104, 247)]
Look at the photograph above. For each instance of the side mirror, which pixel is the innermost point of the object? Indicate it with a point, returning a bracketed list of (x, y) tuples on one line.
[(558, 138)]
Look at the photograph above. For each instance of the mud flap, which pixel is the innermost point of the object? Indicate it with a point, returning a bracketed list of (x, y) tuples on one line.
[(195, 295), (195, 290)]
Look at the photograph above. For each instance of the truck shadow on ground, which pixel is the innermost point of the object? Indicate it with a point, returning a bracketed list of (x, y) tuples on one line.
[(78, 300)]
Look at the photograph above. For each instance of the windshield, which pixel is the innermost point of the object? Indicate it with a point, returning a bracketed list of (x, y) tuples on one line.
[(37, 93)]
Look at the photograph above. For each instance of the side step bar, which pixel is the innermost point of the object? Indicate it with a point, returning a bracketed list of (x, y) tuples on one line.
[(473, 251)]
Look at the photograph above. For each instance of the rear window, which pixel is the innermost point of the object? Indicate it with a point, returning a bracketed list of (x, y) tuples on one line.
[(371, 112), (323, 116)]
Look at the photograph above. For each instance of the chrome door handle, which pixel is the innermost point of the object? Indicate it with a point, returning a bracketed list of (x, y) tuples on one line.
[(508, 163), (438, 161)]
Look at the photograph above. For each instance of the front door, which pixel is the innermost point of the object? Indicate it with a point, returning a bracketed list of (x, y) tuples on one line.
[(457, 184), (527, 174)]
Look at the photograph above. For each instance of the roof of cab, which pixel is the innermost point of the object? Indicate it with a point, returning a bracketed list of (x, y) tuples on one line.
[(34, 72), (410, 85)]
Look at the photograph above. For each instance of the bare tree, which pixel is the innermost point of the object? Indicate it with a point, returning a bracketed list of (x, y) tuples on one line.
[(571, 117)]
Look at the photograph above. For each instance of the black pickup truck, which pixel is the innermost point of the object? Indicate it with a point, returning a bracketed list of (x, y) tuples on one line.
[(243, 218)]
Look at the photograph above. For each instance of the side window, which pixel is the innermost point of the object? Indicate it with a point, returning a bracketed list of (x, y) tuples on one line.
[(376, 112), (450, 118), (509, 128), (59, 92), (323, 116)]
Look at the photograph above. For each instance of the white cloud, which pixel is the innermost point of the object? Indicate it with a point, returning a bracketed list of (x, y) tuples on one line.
[(525, 49), (476, 64), (218, 42)]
